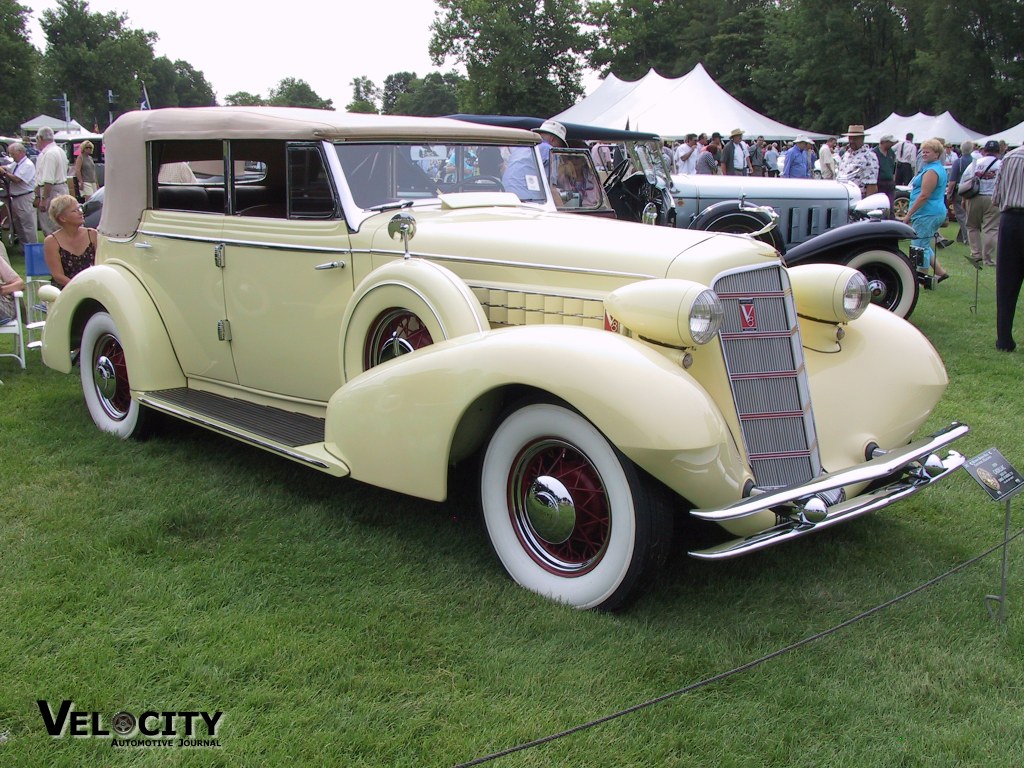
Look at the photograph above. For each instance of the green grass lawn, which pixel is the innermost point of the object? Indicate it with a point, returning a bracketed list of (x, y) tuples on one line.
[(337, 624)]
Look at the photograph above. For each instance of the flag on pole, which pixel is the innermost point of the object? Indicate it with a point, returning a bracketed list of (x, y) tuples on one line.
[(144, 98)]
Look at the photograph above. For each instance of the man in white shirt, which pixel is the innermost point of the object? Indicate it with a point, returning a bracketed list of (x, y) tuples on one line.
[(51, 176), (686, 154), (906, 160), (21, 178), (982, 216), (827, 156)]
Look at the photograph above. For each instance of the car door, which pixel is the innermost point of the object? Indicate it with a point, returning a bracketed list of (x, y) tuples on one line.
[(288, 278), (178, 252)]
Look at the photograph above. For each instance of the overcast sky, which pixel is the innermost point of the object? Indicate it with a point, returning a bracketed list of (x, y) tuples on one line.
[(252, 46)]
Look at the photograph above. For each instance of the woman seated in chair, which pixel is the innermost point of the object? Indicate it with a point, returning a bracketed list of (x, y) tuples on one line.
[(72, 247), (9, 283)]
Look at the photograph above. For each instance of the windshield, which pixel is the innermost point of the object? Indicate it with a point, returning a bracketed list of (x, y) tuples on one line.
[(649, 159), (379, 174)]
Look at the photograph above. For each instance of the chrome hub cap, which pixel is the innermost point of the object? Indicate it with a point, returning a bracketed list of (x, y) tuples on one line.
[(550, 510), (105, 377)]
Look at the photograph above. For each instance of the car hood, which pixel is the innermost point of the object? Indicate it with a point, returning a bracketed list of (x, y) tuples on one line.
[(759, 188), (606, 250)]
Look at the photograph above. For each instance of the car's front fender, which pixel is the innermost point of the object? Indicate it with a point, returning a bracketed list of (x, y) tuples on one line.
[(841, 243), (395, 425), (147, 347)]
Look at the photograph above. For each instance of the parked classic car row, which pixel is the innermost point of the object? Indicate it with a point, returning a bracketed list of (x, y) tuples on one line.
[(356, 294), (810, 222)]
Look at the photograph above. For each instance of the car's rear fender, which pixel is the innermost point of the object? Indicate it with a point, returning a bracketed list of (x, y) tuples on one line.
[(419, 407), (147, 347), (839, 244)]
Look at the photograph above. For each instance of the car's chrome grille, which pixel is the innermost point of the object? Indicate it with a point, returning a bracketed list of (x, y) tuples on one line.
[(761, 342)]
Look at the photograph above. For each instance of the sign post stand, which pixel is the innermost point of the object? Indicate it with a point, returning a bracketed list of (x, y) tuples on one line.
[(1002, 482)]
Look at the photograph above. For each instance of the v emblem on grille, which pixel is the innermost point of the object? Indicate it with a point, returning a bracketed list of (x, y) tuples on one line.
[(748, 316)]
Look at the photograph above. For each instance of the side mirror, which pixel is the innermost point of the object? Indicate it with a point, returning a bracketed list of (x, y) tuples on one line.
[(402, 225)]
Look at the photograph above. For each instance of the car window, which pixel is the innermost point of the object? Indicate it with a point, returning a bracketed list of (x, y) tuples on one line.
[(190, 176), (379, 174), (310, 192), (575, 180)]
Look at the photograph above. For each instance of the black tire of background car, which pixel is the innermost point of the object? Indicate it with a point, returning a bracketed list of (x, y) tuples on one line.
[(741, 222)]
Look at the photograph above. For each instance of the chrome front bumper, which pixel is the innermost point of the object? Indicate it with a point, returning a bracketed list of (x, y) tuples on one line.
[(801, 511)]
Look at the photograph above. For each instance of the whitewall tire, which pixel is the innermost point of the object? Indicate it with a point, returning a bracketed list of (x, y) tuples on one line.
[(105, 382), (567, 514), (891, 278)]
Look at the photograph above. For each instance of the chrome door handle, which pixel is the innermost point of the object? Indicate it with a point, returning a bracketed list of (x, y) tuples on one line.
[(331, 265), (143, 244)]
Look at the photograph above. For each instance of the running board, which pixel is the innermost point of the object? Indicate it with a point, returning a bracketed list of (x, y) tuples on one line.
[(295, 436)]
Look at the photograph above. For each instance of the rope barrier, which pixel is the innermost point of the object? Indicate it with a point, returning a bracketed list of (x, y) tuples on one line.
[(743, 667)]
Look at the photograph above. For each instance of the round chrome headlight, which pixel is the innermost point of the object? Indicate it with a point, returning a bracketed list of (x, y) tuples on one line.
[(706, 315), (856, 296), (667, 311)]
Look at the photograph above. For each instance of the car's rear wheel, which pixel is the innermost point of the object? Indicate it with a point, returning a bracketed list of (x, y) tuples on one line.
[(891, 279), (105, 383), (568, 515)]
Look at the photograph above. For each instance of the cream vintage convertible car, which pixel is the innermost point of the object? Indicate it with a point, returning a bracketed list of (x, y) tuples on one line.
[(382, 297)]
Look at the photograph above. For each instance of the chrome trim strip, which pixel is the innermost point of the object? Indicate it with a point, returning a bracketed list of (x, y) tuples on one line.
[(874, 469), (221, 428), (506, 263), (246, 243)]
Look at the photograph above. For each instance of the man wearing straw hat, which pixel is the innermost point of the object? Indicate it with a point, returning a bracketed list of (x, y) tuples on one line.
[(736, 155), (860, 164)]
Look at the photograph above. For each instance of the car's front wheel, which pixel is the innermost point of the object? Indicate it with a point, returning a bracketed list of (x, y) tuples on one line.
[(568, 515), (891, 279), (105, 383)]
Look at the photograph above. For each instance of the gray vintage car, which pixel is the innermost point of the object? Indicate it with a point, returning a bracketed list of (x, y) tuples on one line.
[(808, 221), (815, 221)]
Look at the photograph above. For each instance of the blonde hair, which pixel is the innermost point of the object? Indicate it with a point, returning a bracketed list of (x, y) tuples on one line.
[(60, 205), (935, 145)]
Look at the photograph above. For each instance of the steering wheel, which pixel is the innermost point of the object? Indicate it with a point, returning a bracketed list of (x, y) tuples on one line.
[(474, 184)]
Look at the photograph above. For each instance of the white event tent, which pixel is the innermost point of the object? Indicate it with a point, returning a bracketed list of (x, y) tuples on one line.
[(671, 108), (33, 125), (923, 127), (1014, 137)]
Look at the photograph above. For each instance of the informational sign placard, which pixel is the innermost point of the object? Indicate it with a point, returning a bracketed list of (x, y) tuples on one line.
[(995, 474)]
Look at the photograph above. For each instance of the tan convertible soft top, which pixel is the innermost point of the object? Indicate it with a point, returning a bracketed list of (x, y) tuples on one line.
[(125, 141)]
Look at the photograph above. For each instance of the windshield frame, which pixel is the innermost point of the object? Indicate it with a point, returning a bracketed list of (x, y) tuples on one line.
[(375, 160)]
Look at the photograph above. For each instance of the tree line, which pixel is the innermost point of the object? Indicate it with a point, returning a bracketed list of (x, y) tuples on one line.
[(816, 64), (810, 63)]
